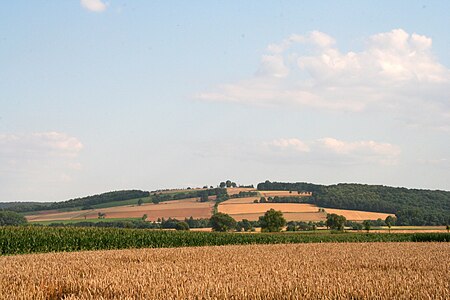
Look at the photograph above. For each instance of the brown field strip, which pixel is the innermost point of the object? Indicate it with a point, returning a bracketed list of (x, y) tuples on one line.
[(356, 215), (295, 271), (179, 209)]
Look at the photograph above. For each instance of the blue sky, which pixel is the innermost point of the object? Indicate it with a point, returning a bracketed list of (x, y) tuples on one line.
[(107, 95)]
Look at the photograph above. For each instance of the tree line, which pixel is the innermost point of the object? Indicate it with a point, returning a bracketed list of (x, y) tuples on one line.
[(411, 206)]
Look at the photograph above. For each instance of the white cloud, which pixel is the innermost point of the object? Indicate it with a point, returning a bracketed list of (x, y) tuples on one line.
[(396, 74), (293, 143), (337, 151), (93, 5), (40, 144)]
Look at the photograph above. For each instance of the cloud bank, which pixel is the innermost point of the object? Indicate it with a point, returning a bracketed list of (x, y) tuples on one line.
[(334, 151), (396, 74), (93, 5)]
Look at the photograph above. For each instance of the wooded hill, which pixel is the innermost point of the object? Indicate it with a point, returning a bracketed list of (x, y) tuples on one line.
[(411, 206), (73, 203)]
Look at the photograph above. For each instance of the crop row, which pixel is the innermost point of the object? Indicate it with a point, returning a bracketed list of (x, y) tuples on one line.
[(21, 240)]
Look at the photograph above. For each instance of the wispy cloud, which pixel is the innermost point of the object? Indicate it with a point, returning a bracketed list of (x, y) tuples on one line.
[(93, 5), (396, 74), (41, 156)]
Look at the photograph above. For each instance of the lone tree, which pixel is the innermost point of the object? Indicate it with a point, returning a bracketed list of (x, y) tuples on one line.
[(390, 220), (11, 218), (222, 222), (335, 222), (367, 225), (140, 201), (272, 221)]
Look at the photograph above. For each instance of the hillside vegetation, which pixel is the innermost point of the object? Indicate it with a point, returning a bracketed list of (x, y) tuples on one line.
[(411, 206)]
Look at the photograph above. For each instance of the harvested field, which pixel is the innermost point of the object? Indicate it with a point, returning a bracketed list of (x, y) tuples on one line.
[(301, 271), (357, 215), (283, 194), (252, 211), (290, 216), (179, 209), (263, 207)]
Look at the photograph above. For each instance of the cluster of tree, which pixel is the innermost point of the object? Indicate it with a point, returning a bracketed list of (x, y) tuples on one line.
[(202, 194), (77, 202), (227, 184), (272, 221), (411, 206), (278, 199), (302, 226), (244, 194), (169, 223), (11, 218)]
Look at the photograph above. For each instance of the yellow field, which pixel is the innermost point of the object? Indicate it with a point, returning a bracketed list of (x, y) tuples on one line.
[(295, 271), (358, 215), (178, 209)]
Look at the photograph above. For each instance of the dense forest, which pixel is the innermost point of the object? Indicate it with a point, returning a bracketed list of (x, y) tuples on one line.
[(411, 206), (77, 202)]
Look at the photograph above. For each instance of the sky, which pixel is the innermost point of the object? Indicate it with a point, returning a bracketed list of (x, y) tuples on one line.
[(100, 95)]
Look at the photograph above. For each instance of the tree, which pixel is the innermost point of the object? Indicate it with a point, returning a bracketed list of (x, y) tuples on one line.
[(144, 217), (233, 184), (335, 222), (182, 226), (228, 183), (262, 200), (246, 225), (11, 218), (448, 228), (222, 184), (101, 215), (140, 201), (390, 220), (156, 200), (204, 197), (222, 222), (255, 201), (272, 221), (367, 224)]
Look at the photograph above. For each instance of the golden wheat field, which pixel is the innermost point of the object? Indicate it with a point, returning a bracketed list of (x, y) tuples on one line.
[(295, 271)]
